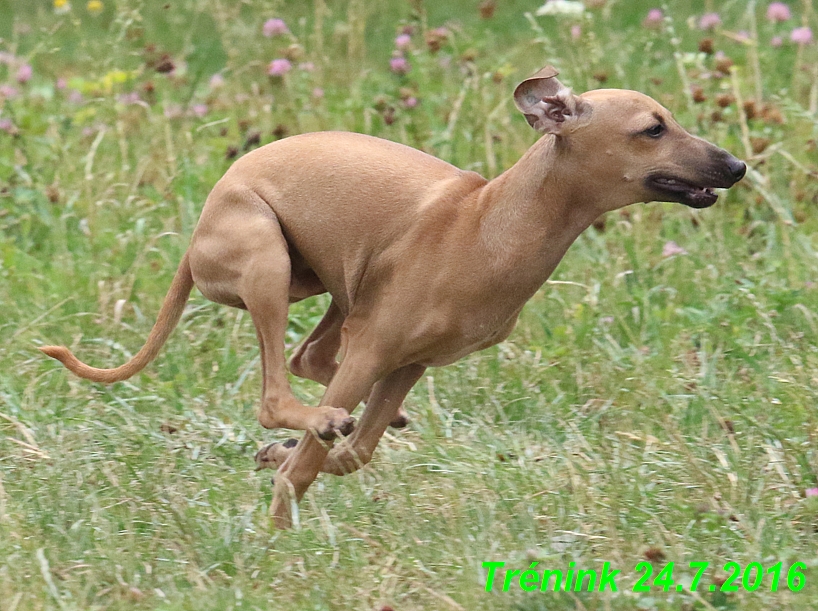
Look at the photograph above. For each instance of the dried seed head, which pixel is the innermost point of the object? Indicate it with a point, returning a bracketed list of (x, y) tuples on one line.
[(252, 141), (723, 100), (164, 64), (436, 38), (487, 8), (52, 193), (389, 115), (759, 145), (294, 52), (771, 114), (723, 63)]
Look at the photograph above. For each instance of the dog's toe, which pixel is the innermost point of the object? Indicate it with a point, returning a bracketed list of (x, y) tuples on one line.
[(338, 422), (400, 421), (272, 455), (262, 458), (347, 426), (342, 428)]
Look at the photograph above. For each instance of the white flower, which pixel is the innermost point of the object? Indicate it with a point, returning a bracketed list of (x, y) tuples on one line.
[(561, 7)]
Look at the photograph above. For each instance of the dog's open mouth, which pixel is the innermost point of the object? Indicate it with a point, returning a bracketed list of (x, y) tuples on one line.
[(677, 190)]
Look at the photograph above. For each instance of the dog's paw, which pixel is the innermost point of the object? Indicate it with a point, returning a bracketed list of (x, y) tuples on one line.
[(273, 455), (333, 422), (401, 420)]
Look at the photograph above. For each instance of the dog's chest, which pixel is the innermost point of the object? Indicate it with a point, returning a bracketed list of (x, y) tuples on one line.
[(470, 336)]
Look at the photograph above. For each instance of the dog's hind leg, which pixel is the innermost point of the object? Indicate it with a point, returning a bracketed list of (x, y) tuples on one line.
[(264, 291), (240, 257)]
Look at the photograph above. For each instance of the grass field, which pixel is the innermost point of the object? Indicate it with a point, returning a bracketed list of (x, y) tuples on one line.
[(657, 403)]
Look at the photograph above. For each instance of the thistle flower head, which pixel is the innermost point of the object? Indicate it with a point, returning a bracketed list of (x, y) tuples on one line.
[(275, 27), (778, 11), (709, 21), (801, 36), (279, 67)]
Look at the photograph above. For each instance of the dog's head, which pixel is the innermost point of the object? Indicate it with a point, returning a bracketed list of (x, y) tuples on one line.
[(627, 143)]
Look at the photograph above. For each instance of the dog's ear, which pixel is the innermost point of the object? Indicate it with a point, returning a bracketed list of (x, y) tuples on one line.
[(548, 105)]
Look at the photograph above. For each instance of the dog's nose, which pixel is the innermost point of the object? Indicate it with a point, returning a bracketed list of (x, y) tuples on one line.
[(737, 168)]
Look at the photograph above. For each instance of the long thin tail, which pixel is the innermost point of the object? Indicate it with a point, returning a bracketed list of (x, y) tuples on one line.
[(168, 318)]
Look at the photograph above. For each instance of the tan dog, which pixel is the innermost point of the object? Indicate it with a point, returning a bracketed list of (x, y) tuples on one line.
[(425, 263)]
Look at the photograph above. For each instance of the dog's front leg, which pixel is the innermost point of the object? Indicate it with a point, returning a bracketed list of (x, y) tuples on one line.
[(356, 450), (387, 396), (356, 375), (315, 360)]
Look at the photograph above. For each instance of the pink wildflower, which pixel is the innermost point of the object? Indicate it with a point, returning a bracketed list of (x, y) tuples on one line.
[(75, 97), (306, 66), (709, 21), (8, 92), (7, 126), (199, 110), (399, 65), (403, 41), (654, 18), (811, 492), (576, 32), (318, 93), (279, 67), (216, 81), (275, 27), (801, 36), (776, 41), (778, 11), (24, 74), (410, 102), (671, 248), (62, 83)]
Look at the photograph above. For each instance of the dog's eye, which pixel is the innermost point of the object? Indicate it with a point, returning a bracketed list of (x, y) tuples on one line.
[(655, 131)]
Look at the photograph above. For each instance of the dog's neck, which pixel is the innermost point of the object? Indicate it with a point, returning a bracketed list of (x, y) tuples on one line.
[(534, 211)]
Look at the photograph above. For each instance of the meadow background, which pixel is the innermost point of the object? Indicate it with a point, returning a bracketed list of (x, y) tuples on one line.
[(657, 401)]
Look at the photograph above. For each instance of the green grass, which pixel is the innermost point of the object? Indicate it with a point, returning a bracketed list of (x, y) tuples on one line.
[(646, 407)]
